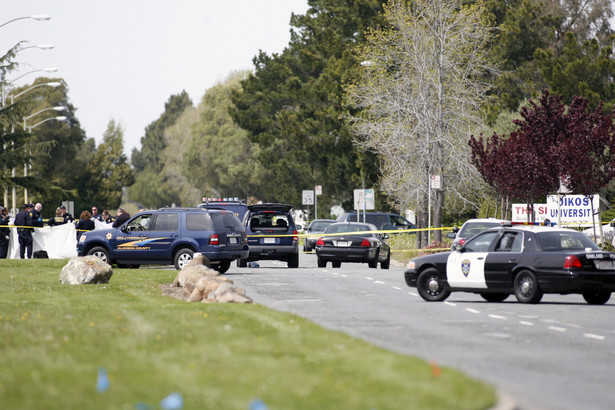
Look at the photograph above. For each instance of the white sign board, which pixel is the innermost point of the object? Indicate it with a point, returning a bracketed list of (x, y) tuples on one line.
[(364, 199), (520, 212), (308, 197), (318, 189), (435, 182), (574, 209)]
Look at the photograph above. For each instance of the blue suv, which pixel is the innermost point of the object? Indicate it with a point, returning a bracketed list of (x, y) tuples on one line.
[(272, 234), (170, 236)]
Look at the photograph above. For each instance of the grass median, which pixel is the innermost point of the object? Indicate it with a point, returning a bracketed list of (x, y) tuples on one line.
[(55, 338)]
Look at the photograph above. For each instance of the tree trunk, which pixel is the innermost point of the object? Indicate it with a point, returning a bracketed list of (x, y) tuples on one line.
[(437, 216), (421, 236)]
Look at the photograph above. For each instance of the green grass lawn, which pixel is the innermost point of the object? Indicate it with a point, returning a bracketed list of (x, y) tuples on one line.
[(54, 338)]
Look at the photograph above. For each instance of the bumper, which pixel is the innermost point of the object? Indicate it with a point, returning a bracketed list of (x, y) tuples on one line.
[(346, 254), (258, 252), (577, 281), (410, 277)]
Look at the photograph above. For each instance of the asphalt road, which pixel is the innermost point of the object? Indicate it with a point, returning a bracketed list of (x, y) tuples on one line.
[(558, 354)]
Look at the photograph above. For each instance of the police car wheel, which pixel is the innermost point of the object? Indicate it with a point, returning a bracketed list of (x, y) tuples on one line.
[(597, 297), (527, 289), (101, 253), (183, 257), (386, 263), (336, 264), (374, 263), (242, 263), (430, 286), (293, 261), (494, 297), (222, 267), (322, 263)]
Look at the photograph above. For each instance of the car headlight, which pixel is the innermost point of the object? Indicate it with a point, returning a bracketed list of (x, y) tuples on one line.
[(82, 239), (410, 265)]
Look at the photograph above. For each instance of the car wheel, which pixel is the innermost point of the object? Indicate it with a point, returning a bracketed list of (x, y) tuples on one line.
[(321, 263), (242, 263), (494, 297), (306, 248), (527, 289), (183, 257), (336, 264), (430, 286), (597, 297), (222, 267), (386, 263), (101, 253), (293, 260)]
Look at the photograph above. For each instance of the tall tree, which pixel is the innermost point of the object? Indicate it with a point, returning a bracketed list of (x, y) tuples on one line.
[(108, 172), (291, 105), (420, 97), (219, 158), (150, 187)]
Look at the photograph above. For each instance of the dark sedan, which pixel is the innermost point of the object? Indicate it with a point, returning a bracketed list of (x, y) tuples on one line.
[(527, 261), (353, 242)]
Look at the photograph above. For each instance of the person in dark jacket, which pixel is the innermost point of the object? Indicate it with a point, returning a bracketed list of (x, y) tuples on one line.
[(23, 222), (37, 217), (107, 218), (4, 232), (85, 224), (67, 216), (58, 219), (121, 217)]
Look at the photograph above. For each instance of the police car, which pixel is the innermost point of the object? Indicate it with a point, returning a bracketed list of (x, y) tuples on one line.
[(170, 236), (524, 260)]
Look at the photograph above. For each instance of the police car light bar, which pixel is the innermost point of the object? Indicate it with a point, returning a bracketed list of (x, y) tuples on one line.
[(235, 199)]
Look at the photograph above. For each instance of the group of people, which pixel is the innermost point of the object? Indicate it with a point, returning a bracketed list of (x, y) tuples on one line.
[(30, 217)]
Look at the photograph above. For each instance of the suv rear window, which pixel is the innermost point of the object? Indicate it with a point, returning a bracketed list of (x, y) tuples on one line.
[(224, 221), (198, 221), (269, 219)]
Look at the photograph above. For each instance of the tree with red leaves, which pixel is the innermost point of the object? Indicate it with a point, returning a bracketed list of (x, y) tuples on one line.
[(551, 142)]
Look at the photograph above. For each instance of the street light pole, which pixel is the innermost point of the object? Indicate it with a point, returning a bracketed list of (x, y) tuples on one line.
[(39, 17), (26, 165)]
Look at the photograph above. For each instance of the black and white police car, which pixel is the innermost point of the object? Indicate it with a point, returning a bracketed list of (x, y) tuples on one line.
[(526, 260)]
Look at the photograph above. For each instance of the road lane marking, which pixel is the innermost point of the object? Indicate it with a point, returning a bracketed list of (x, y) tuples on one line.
[(379, 282), (450, 303), (593, 336), (368, 278), (412, 293), (525, 323), (557, 329), (396, 288), (498, 317), (472, 310)]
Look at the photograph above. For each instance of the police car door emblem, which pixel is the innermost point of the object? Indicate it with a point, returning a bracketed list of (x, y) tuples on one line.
[(465, 267), (109, 235)]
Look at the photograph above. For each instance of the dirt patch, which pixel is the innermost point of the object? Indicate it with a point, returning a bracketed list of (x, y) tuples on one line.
[(174, 291)]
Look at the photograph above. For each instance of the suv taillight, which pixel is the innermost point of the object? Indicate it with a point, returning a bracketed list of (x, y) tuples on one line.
[(572, 262), (214, 239), (295, 237)]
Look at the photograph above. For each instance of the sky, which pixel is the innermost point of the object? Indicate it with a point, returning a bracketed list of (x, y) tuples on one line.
[(123, 59)]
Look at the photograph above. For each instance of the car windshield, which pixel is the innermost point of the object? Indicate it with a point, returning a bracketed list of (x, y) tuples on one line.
[(565, 240), (341, 228), (470, 229)]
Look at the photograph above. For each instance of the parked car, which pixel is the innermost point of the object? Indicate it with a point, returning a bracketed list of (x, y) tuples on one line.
[(272, 234), (170, 236), (317, 226), (382, 220), (525, 260), (353, 242), (472, 227)]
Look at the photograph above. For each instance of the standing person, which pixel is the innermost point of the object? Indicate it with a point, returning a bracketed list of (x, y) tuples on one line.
[(23, 222), (37, 217), (4, 233), (121, 217), (58, 219), (85, 224), (67, 216), (95, 214), (106, 217)]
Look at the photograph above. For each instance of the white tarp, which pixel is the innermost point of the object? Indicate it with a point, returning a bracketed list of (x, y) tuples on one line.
[(59, 241)]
